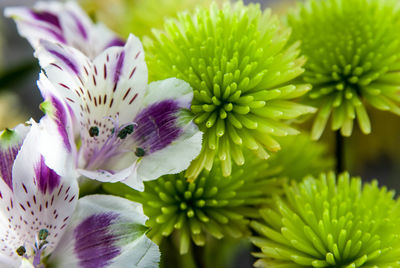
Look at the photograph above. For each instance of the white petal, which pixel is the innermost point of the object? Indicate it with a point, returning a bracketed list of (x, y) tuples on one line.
[(64, 23), (106, 231), (59, 153), (174, 155), (10, 222), (44, 199)]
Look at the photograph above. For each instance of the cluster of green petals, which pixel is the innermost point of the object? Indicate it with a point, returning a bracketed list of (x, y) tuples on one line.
[(237, 60), (329, 222), (353, 58), (219, 206), (211, 205)]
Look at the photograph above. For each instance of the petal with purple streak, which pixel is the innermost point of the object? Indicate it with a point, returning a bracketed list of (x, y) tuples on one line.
[(118, 67), (106, 231), (65, 23), (82, 31), (173, 140), (43, 198), (46, 178), (116, 42), (60, 116), (94, 244), (10, 144), (47, 17), (65, 59), (7, 157), (157, 126)]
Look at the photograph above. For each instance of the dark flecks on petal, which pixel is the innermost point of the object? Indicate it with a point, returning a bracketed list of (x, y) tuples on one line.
[(66, 60), (157, 126), (46, 178), (95, 244)]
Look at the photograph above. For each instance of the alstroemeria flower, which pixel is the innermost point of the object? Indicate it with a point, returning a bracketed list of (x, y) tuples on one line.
[(129, 131), (43, 222), (64, 23)]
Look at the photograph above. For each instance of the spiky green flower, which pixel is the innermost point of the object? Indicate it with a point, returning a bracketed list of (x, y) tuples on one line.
[(237, 61), (328, 223), (353, 51), (222, 206), (212, 204)]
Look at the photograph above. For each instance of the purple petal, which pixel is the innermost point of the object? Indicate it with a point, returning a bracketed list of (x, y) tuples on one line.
[(47, 17), (116, 42), (46, 178), (118, 67), (80, 26), (66, 60), (157, 126), (94, 244), (61, 121), (7, 157)]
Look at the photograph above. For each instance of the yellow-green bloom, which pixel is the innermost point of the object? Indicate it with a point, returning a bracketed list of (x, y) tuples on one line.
[(326, 222), (353, 51), (137, 16), (223, 206), (241, 69)]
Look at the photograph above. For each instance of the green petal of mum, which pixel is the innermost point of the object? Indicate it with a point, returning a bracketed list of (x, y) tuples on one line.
[(237, 61), (330, 223), (353, 51), (222, 206)]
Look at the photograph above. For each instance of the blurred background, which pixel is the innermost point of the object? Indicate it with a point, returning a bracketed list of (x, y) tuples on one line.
[(371, 156)]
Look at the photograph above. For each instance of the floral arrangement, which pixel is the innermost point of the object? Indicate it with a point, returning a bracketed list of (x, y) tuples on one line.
[(173, 146)]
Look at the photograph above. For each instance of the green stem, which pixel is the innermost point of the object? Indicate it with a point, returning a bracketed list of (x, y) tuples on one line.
[(198, 256), (340, 153)]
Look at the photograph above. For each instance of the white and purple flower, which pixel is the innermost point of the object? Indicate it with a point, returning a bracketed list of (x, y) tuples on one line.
[(129, 131), (64, 23), (43, 222)]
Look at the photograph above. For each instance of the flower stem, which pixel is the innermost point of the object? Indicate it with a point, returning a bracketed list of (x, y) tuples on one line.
[(340, 161), (198, 256)]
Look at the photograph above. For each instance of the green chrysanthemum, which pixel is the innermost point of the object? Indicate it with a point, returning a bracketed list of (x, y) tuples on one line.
[(328, 223), (237, 61), (218, 205), (353, 51)]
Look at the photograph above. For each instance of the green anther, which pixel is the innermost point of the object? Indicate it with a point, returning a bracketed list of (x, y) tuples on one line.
[(94, 131), (43, 233), (123, 133), (140, 152), (21, 251)]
